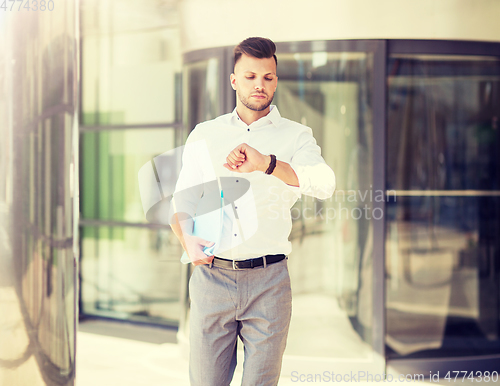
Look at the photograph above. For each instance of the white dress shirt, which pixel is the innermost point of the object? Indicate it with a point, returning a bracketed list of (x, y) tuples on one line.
[(259, 222)]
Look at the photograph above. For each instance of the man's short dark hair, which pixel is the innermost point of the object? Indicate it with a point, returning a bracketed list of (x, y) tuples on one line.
[(257, 47)]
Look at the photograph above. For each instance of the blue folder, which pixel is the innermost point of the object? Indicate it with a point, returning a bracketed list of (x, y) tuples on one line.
[(208, 226)]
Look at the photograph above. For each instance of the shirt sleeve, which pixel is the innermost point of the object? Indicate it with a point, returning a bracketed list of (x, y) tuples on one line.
[(315, 177), (189, 186)]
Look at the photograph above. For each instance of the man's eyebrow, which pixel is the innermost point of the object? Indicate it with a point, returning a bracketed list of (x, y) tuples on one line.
[(251, 72)]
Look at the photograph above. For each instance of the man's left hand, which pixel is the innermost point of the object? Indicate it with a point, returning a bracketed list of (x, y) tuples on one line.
[(245, 159)]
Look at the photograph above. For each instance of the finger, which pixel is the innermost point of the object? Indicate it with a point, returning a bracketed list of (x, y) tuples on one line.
[(230, 166), (237, 162), (231, 163), (195, 260), (201, 260), (204, 242), (207, 259), (238, 154), (204, 261), (241, 148), (231, 169), (232, 160)]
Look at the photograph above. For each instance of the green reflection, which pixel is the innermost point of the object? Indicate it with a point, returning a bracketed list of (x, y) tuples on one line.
[(110, 162)]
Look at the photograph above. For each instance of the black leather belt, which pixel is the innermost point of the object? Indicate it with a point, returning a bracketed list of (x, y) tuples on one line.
[(247, 264)]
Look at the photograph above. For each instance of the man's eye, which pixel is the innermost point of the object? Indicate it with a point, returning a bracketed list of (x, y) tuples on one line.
[(249, 77), (269, 79)]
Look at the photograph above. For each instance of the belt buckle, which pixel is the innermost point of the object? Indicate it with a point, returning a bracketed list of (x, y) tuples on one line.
[(234, 265)]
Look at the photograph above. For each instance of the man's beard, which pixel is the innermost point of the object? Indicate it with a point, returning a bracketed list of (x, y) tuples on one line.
[(246, 103)]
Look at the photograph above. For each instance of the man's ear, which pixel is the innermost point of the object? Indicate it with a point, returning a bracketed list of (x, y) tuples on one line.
[(233, 81)]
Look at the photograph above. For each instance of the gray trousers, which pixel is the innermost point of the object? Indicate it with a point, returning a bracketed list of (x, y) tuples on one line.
[(254, 304)]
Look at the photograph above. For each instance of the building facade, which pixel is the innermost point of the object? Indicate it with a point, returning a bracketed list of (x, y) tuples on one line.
[(399, 272)]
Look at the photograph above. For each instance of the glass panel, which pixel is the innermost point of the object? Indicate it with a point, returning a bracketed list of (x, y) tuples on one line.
[(131, 75), (38, 245), (131, 273), (331, 262), (131, 78), (442, 247), (201, 92), (110, 164)]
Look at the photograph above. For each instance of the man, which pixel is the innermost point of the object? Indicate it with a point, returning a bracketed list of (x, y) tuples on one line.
[(243, 287)]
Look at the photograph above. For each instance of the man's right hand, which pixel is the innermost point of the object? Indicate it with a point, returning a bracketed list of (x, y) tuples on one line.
[(194, 246)]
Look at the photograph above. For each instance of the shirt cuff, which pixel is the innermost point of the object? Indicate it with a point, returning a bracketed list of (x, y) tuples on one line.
[(314, 180)]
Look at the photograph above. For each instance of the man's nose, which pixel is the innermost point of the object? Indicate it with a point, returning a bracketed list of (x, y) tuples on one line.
[(259, 85)]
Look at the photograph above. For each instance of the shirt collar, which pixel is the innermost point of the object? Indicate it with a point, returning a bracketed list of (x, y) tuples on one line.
[(273, 116)]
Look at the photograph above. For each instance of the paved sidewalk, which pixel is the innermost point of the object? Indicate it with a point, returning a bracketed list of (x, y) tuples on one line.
[(104, 360)]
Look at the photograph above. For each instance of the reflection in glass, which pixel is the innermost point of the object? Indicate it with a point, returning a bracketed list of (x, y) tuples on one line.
[(201, 92), (111, 256), (442, 246), (331, 262), (131, 77), (38, 163), (131, 273), (111, 160)]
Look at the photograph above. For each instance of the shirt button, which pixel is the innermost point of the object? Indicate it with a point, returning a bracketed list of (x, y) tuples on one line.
[(236, 180), (235, 234), (235, 207), (248, 129)]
